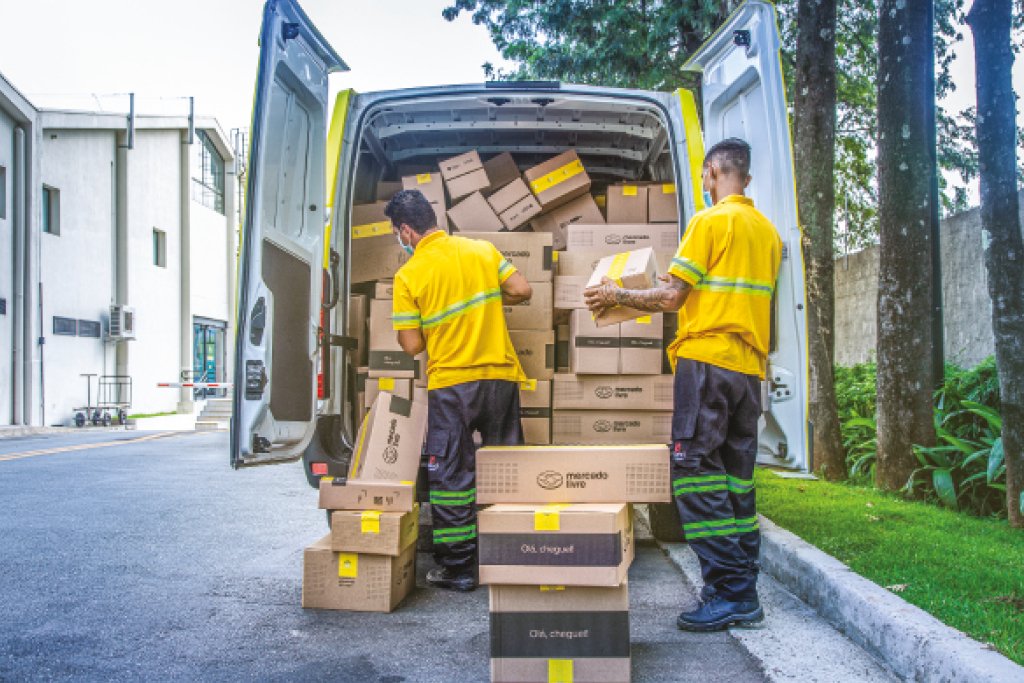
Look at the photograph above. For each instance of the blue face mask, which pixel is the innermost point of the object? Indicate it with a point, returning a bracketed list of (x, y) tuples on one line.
[(407, 248), (708, 203)]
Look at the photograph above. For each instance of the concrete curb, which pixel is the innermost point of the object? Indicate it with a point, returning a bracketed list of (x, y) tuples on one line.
[(17, 431), (916, 645)]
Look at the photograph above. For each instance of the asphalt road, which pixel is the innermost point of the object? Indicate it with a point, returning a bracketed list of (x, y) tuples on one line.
[(133, 556)]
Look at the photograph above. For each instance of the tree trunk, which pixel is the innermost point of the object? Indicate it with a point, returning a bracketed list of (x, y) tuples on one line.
[(814, 138), (906, 99), (1000, 219)]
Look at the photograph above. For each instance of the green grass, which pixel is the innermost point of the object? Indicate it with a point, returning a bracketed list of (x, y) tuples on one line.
[(968, 572), (136, 416)]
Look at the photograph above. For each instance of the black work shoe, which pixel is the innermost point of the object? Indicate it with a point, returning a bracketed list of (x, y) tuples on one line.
[(707, 594), (442, 577), (720, 614)]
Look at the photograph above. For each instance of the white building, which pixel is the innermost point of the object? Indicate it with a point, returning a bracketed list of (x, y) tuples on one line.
[(111, 214)]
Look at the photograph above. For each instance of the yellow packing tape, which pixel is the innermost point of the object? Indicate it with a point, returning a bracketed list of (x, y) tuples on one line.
[(600, 200), (327, 479), (371, 230), (549, 180), (554, 257), (348, 565), (407, 483), (559, 671), (618, 265), (528, 385), (369, 522), (386, 383), (549, 589), (629, 190), (668, 188), (644, 320), (548, 518), (422, 178)]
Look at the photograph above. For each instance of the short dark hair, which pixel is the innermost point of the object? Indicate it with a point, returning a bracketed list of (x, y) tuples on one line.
[(732, 154), (411, 208)]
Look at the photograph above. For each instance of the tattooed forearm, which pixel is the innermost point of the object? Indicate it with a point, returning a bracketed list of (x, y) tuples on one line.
[(654, 300), (669, 296)]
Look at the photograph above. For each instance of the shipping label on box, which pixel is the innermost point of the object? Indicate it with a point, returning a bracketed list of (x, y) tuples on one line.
[(365, 494), (556, 221), (641, 346), (610, 427), (626, 204), (390, 440), (374, 531), (533, 314), (566, 474), (569, 291), (592, 349), (612, 392), (355, 581), (630, 270), (613, 239), (535, 411), (558, 180), (536, 351), (514, 204), (529, 252), (662, 206), (474, 214), (501, 170)]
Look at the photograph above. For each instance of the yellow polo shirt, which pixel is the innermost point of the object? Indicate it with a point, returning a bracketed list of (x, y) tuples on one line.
[(451, 289), (730, 254)]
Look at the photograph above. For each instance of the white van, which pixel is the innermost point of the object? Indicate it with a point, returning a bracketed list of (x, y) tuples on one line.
[(308, 167)]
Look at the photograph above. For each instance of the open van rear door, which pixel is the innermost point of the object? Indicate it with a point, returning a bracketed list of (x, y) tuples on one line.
[(280, 276), (743, 96)]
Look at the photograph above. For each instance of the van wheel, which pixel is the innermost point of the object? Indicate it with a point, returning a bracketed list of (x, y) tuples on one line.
[(665, 523)]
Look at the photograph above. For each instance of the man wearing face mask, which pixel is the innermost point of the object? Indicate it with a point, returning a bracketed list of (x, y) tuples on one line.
[(448, 299), (721, 281)]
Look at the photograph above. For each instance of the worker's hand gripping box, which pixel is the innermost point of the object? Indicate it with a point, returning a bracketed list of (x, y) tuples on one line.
[(629, 270), (374, 531), (390, 440), (359, 582)]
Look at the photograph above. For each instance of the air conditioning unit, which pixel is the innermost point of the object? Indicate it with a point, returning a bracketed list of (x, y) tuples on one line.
[(122, 322)]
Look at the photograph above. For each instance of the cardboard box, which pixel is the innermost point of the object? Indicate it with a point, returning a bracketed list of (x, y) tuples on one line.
[(612, 239), (583, 209), (386, 357), (356, 325), (386, 189), (514, 204), (626, 204), (432, 187), (583, 627), (390, 440), (611, 427), (568, 474), (569, 291), (662, 204), (529, 252), (375, 252), (474, 214), (640, 345), (562, 348), (582, 544), (464, 174), (355, 581), (582, 262), (535, 411), (631, 270), (366, 494), (392, 385), (501, 170), (384, 289), (558, 180), (533, 314), (592, 349), (536, 351), (612, 392), (374, 531)]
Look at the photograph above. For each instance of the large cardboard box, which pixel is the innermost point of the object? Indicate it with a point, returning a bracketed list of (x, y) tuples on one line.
[(562, 348), (536, 351), (535, 411), (610, 426), (612, 239), (386, 357), (474, 214), (569, 291), (386, 189), (556, 221), (464, 174), (432, 187), (558, 180), (356, 325), (612, 392), (374, 531), (592, 349), (582, 262), (355, 581), (514, 204), (533, 314), (392, 385), (375, 252), (626, 204), (390, 440), (581, 544), (529, 252), (662, 206), (568, 474), (501, 170), (365, 494), (640, 345), (631, 270), (584, 629)]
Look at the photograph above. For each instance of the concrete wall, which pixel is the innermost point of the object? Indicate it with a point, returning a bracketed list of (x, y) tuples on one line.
[(209, 259), (967, 307), (7, 270)]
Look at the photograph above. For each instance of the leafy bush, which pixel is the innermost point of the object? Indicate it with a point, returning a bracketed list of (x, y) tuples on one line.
[(855, 396)]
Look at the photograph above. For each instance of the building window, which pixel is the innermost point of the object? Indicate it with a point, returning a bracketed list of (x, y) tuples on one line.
[(65, 326), (51, 210), (207, 173), (159, 248), (89, 328), (3, 192)]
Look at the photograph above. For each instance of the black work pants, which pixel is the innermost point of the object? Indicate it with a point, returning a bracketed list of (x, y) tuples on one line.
[(490, 407)]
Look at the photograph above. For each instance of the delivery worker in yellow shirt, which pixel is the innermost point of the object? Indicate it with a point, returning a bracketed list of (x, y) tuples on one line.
[(448, 299), (721, 281)]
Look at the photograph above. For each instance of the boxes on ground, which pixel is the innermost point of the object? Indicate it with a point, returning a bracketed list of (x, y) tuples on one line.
[(558, 180), (463, 174), (583, 544), (514, 204), (610, 426), (612, 239), (535, 411), (529, 252), (661, 203), (583, 209), (567, 474), (432, 187), (474, 214), (536, 351), (356, 581), (612, 392), (533, 314), (366, 494), (375, 253), (626, 204), (390, 440), (374, 531), (629, 269)]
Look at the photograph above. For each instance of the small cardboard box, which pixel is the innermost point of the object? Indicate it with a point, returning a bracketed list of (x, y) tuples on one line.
[(612, 392), (582, 628), (529, 252), (562, 348), (626, 204), (569, 291), (365, 494), (533, 314), (568, 474), (386, 357), (355, 581), (581, 544), (375, 252), (501, 170), (386, 189), (384, 289), (612, 239), (432, 187), (662, 206), (390, 440), (558, 180), (536, 351), (583, 209), (514, 204), (392, 385), (631, 270), (358, 314), (610, 427), (374, 531), (592, 349), (535, 411), (640, 345), (464, 174), (474, 214)]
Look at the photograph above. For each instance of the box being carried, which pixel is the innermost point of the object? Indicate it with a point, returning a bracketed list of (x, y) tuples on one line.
[(390, 440), (630, 270), (355, 581)]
